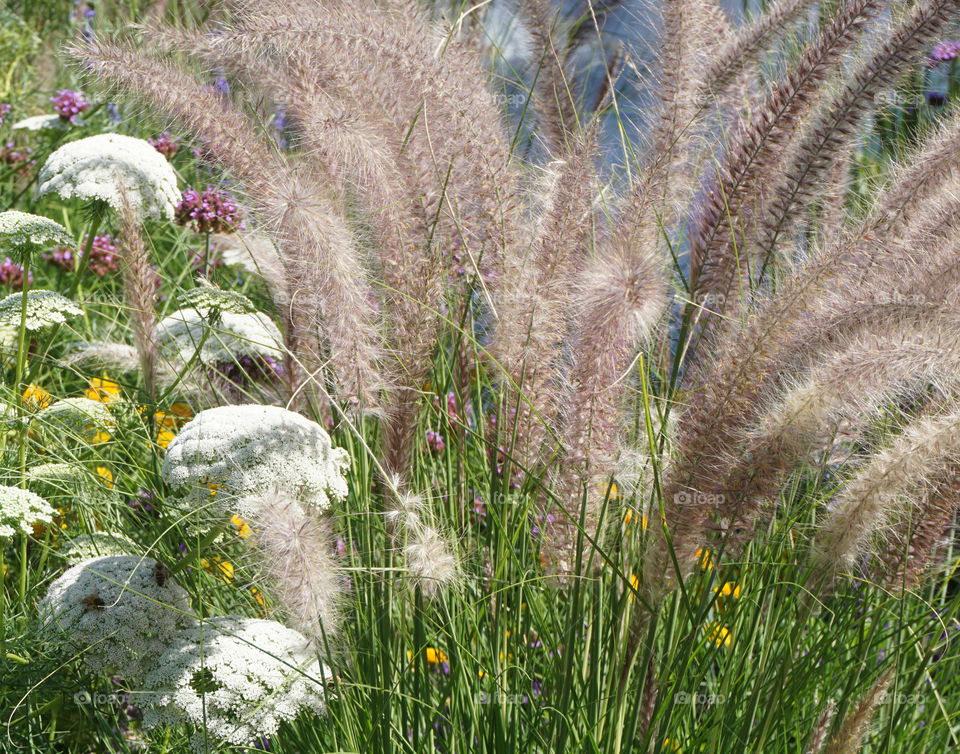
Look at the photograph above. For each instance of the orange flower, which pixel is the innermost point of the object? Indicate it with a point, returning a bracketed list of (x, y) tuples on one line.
[(164, 438), (435, 656), (36, 397), (102, 390), (243, 529)]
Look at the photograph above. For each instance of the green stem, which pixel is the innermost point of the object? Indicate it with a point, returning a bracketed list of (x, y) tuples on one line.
[(85, 258), (23, 569)]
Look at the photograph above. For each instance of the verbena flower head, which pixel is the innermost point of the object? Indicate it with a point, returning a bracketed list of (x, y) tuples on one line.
[(213, 211), (104, 256), (44, 309), (120, 610), (99, 167), (20, 509), (225, 336), (11, 274), (237, 678), (165, 144), (21, 231), (944, 52), (69, 104), (250, 450), (11, 155), (42, 123)]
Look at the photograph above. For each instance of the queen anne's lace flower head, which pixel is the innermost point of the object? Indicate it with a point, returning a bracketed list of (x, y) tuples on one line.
[(101, 166), (222, 336), (21, 230), (237, 678), (206, 297), (20, 509), (120, 610), (95, 545), (44, 309), (57, 480), (52, 122), (245, 451), (78, 416)]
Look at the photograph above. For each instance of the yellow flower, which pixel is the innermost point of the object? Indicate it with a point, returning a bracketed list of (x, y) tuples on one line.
[(182, 411), (100, 437), (243, 529), (671, 744), (102, 390), (106, 475), (164, 438), (630, 515), (36, 397), (435, 656), (224, 567), (729, 589), (704, 558), (257, 596), (720, 635)]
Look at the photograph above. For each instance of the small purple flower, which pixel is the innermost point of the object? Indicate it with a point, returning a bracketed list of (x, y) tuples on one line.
[(248, 369), (104, 257), (4, 110), (69, 104), (435, 441), (944, 52), (165, 144), (144, 502), (10, 155), (113, 112), (213, 211), (11, 274)]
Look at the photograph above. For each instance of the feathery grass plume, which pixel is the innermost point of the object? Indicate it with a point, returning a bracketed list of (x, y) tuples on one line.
[(819, 737), (718, 252), (327, 280), (835, 127), (927, 448), (295, 547), (139, 291), (553, 92), (691, 34), (855, 727), (747, 43), (532, 300), (620, 296)]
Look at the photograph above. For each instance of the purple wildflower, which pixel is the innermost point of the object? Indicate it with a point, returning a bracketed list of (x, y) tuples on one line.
[(252, 369), (165, 144), (103, 256), (213, 211), (944, 52), (4, 110), (69, 104), (10, 155), (11, 274), (435, 441)]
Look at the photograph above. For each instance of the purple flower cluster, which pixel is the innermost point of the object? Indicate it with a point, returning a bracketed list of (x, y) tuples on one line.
[(435, 441), (144, 502), (248, 369), (103, 256), (944, 52), (12, 156), (11, 274), (165, 144), (69, 104), (4, 111), (213, 211)]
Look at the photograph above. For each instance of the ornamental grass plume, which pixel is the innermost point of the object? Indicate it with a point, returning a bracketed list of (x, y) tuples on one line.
[(403, 175)]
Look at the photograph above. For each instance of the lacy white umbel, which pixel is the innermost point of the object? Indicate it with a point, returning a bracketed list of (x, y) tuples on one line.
[(103, 166), (237, 678), (244, 451), (21, 230), (120, 611), (222, 337), (44, 309), (20, 509)]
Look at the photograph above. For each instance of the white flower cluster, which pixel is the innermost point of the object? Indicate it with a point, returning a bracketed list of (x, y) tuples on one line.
[(51, 122), (101, 166), (57, 480), (44, 309), (250, 450), (238, 678), (20, 509), (206, 297), (223, 338), (120, 610), (79, 416), (19, 230), (95, 545)]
